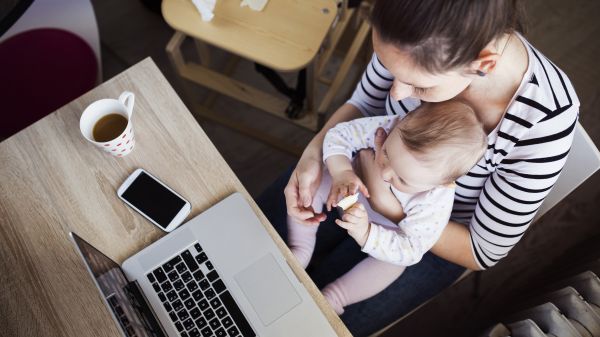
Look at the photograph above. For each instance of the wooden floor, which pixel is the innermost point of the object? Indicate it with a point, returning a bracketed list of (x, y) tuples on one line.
[(566, 31)]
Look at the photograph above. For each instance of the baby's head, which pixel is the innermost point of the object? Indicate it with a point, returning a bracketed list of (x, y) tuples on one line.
[(432, 146)]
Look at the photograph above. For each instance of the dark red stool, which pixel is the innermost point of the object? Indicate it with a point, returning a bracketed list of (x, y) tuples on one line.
[(40, 71)]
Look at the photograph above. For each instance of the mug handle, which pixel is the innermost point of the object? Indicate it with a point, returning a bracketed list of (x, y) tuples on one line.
[(127, 98)]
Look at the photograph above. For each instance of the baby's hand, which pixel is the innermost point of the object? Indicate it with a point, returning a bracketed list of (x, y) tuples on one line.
[(344, 183), (356, 221)]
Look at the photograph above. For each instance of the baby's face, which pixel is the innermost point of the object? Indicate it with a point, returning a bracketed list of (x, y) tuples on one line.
[(403, 171)]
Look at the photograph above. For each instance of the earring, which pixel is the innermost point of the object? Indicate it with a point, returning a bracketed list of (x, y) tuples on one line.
[(480, 73)]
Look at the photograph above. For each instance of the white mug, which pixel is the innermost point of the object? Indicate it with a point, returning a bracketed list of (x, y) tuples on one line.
[(121, 145)]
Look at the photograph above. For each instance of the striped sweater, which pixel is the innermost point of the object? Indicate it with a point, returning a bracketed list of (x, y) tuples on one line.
[(526, 152)]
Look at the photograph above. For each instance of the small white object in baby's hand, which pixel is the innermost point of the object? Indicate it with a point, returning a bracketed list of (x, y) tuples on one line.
[(255, 5), (206, 8), (347, 202)]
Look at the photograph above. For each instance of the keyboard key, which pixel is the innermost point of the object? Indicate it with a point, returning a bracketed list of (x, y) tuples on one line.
[(195, 313), (156, 287), (209, 265), (233, 331), (151, 278), (177, 305), (206, 332), (220, 332), (212, 275), (184, 334), (209, 314), (194, 333), (183, 314), (178, 285), (201, 257), (160, 275), (167, 306), (221, 312), (166, 286), (198, 275), (171, 295), (192, 285), (210, 294), (203, 304), (201, 322), (204, 284), (189, 261), (215, 324), (198, 295), (173, 316), (215, 303), (162, 297), (181, 268), (171, 263), (173, 276), (188, 324), (219, 286), (179, 326), (113, 301), (198, 248), (237, 314), (189, 304), (227, 322), (186, 277), (184, 294)]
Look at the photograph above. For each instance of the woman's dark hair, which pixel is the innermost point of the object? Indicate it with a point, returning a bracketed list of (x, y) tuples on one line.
[(444, 34)]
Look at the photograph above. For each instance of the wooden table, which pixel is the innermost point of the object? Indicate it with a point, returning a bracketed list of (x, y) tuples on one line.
[(287, 35), (54, 181)]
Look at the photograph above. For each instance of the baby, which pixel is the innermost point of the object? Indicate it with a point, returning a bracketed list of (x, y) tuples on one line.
[(418, 163)]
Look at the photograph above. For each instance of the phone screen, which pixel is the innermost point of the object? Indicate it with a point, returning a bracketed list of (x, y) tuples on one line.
[(153, 199)]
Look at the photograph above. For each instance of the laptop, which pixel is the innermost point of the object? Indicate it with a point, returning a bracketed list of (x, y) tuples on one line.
[(219, 274)]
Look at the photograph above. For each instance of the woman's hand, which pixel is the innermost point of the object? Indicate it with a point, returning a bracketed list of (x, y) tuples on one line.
[(301, 188)]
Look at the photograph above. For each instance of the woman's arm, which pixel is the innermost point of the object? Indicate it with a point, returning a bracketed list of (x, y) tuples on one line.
[(454, 245)]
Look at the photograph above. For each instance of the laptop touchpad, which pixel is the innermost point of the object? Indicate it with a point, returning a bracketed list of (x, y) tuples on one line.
[(268, 289)]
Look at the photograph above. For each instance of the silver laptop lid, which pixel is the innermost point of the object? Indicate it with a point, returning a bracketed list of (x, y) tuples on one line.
[(124, 299)]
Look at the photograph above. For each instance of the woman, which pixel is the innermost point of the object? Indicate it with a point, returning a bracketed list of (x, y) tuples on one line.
[(432, 51)]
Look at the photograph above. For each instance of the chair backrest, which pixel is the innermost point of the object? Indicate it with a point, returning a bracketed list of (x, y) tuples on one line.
[(76, 16), (583, 161)]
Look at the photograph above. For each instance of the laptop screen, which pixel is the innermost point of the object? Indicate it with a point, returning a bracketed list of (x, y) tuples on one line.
[(122, 297)]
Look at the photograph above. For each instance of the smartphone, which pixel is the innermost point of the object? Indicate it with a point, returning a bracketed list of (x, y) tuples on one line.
[(154, 200)]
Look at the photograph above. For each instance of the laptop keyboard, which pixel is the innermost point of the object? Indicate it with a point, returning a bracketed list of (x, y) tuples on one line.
[(196, 298)]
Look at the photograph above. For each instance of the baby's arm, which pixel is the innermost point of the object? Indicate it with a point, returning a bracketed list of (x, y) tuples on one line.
[(426, 217), (381, 198), (340, 143)]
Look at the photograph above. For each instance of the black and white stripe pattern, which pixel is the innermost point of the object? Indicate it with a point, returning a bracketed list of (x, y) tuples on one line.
[(526, 152)]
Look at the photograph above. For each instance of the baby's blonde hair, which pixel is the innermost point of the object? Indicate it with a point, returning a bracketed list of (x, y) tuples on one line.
[(447, 133)]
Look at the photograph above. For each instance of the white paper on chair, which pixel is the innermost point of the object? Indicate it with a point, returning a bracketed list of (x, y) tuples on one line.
[(255, 5), (206, 8)]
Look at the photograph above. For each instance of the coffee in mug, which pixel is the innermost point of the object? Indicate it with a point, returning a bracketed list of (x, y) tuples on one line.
[(107, 124), (109, 127)]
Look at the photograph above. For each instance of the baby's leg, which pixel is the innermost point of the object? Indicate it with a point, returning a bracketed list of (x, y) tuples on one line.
[(366, 279), (302, 238)]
